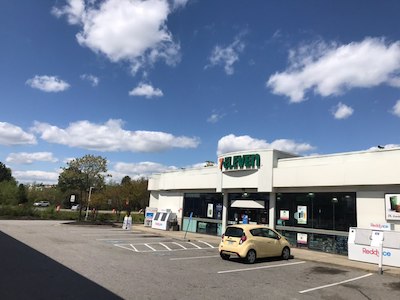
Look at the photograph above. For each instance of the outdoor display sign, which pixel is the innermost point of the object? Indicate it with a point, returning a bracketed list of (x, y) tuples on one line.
[(127, 224), (365, 245), (392, 206)]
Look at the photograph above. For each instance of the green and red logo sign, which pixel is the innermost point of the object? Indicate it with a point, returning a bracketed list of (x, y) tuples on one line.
[(240, 162)]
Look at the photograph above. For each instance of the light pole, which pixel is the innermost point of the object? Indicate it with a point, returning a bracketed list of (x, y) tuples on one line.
[(87, 207)]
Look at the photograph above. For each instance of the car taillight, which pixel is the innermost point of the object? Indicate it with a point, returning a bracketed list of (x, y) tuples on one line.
[(242, 239)]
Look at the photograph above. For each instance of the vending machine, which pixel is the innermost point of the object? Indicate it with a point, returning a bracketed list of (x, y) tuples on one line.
[(369, 245), (163, 219), (149, 214)]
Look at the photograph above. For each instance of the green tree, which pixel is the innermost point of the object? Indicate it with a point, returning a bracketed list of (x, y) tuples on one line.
[(22, 196), (8, 186), (83, 173), (39, 192), (8, 193), (5, 173), (113, 193), (140, 193), (126, 180)]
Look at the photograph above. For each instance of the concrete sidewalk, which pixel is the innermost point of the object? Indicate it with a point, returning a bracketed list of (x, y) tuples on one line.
[(302, 254)]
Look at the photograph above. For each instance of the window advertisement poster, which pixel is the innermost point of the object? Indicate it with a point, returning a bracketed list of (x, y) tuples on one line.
[(302, 238), (210, 210), (284, 215), (218, 208), (392, 206), (301, 214)]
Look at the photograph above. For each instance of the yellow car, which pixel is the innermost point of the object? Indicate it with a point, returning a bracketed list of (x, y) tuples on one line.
[(253, 241)]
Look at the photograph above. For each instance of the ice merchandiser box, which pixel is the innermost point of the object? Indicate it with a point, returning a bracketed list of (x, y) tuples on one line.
[(162, 219), (364, 245)]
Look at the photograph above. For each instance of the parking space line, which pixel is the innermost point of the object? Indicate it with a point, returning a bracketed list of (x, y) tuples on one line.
[(198, 247), (123, 247), (193, 257), (147, 245), (209, 245), (134, 248), (168, 248), (179, 245), (262, 267), (153, 246), (333, 284)]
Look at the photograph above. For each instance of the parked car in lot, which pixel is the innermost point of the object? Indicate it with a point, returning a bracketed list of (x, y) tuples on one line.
[(75, 207), (250, 242), (41, 204)]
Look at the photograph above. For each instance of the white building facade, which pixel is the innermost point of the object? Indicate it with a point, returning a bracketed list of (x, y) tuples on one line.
[(312, 200)]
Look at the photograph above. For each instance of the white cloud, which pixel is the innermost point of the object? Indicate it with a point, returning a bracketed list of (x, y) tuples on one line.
[(94, 81), (14, 135), (231, 143), (215, 117), (342, 111), (227, 56), (110, 136), (137, 170), (74, 11), (48, 83), (125, 30), (179, 3), (396, 108), (332, 69), (36, 176), (145, 90), (29, 158)]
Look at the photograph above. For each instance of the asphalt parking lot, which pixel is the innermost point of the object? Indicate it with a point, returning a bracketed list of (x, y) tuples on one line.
[(51, 260)]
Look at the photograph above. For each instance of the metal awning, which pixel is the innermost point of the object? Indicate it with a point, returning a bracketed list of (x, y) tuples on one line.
[(248, 204)]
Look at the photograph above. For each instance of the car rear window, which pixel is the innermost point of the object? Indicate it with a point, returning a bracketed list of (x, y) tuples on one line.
[(234, 232)]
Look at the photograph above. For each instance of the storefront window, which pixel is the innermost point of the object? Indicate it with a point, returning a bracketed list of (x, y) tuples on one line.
[(248, 207), (203, 205), (329, 211)]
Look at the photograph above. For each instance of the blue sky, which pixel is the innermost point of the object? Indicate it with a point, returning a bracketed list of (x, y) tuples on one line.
[(158, 85)]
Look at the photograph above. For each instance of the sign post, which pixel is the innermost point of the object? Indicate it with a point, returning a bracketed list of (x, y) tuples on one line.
[(377, 241), (187, 228)]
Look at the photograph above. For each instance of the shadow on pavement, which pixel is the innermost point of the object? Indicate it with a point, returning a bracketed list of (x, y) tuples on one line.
[(28, 274)]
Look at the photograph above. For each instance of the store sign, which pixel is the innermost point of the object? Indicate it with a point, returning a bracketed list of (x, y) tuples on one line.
[(372, 251), (379, 226), (240, 162)]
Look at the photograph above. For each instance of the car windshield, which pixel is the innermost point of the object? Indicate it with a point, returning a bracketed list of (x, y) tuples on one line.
[(234, 232)]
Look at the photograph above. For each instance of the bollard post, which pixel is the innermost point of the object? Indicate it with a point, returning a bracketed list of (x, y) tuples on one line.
[(380, 269)]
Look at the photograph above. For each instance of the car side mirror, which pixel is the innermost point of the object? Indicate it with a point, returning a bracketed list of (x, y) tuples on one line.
[(278, 238)]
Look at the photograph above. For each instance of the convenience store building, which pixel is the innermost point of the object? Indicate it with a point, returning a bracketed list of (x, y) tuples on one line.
[(312, 200)]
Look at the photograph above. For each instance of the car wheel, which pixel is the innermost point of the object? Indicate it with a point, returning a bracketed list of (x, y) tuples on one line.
[(251, 256), (224, 256), (286, 253)]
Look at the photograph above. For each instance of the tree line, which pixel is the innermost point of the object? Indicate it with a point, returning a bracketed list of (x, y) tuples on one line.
[(81, 177)]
